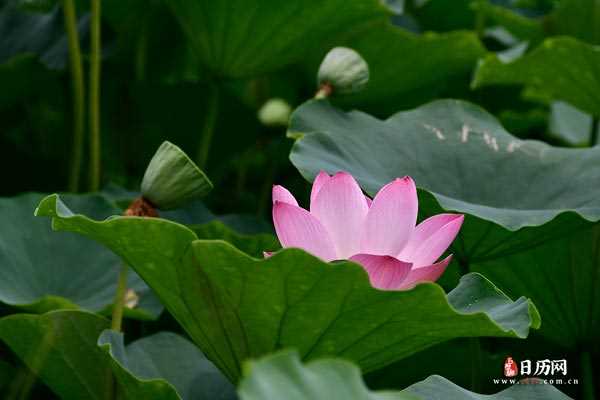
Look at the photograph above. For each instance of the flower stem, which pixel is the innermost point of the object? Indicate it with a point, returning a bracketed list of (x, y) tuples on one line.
[(139, 207), (94, 100), (212, 111), (587, 376), (76, 70), (324, 91), (119, 303), (141, 51)]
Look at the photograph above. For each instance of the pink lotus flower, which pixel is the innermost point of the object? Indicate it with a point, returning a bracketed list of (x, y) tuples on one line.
[(379, 234)]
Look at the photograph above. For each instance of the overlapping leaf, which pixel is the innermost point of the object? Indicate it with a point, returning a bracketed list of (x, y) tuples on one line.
[(283, 375), (235, 306), (41, 272), (531, 208), (164, 366)]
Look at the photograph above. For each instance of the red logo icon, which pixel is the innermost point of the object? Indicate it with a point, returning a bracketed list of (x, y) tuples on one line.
[(510, 368)]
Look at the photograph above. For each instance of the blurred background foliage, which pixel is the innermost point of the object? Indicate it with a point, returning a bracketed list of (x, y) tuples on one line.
[(197, 73), (163, 69)]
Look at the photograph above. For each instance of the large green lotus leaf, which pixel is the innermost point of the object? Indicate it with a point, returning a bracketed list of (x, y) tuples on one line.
[(73, 354), (354, 320), (522, 199), (240, 38), (235, 306), (41, 272), (164, 366), (283, 376), (564, 68)]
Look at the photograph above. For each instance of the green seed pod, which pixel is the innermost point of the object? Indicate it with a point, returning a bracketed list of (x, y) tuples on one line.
[(344, 70), (172, 179), (275, 112)]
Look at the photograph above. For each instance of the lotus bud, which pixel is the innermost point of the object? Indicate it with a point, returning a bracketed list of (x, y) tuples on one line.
[(342, 71), (275, 112), (172, 179)]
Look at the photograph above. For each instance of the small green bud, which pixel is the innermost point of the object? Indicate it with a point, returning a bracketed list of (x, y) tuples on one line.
[(172, 179), (342, 71), (275, 112)]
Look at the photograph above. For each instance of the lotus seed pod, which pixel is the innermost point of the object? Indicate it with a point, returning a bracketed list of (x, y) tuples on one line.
[(344, 70), (275, 112), (172, 179)]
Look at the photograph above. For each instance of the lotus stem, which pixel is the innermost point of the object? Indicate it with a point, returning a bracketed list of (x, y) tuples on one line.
[(119, 303), (139, 207), (587, 376), (78, 94), (212, 111), (94, 111), (324, 91)]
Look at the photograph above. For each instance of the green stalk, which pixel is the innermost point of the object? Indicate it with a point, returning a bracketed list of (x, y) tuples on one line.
[(95, 59), (324, 91), (587, 376), (78, 94), (119, 302), (141, 51), (208, 129)]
